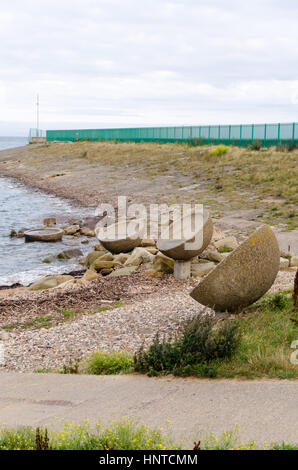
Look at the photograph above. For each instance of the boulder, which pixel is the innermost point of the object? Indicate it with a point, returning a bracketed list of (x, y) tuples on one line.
[(90, 275), (284, 263), (21, 232), (87, 232), (243, 276), (121, 258), (217, 234), (177, 248), (152, 249), (12, 233), (106, 271), (201, 269), (98, 247), (139, 256), (106, 257), (49, 282), (294, 261), (71, 229), (91, 257), (163, 264), (49, 221), (43, 235), (69, 254), (213, 255), (226, 244), (125, 271), (99, 264)]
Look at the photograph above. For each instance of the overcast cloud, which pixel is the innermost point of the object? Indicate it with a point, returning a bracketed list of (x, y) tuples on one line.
[(121, 63)]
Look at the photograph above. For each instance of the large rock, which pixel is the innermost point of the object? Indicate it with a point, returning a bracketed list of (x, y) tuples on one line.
[(226, 244), (176, 248), (92, 257), (100, 264), (121, 237), (49, 282), (125, 271), (90, 275), (87, 232), (294, 261), (243, 276), (70, 253), (49, 221), (43, 235), (121, 258), (106, 257), (71, 229), (213, 255), (284, 263), (163, 264), (139, 256), (201, 269)]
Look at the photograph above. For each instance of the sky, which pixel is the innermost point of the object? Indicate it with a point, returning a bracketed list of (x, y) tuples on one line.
[(135, 63)]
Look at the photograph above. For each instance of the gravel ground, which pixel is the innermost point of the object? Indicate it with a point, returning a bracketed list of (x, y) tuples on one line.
[(123, 328), (150, 306)]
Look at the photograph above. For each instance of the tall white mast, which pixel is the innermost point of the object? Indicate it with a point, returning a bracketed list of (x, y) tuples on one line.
[(37, 115)]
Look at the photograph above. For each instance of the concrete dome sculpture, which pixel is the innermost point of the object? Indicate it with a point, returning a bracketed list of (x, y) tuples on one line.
[(43, 235), (177, 248), (122, 236), (243, 276)]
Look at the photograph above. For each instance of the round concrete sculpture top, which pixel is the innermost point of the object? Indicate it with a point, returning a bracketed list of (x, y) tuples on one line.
[(43, 235), (122, 236), (192, 244), (243, 276)]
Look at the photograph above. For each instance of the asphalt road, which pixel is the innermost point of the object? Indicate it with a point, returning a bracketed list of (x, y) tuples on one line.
[(265, 410)]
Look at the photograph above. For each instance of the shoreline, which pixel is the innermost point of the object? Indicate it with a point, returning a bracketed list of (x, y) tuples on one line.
[(18, 181), (33, 186)]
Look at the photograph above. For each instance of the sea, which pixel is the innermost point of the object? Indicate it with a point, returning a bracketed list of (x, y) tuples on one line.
[(24, 207)]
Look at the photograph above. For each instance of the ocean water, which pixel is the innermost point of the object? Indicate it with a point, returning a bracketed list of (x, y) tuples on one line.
[(11, 142), (23, 207)]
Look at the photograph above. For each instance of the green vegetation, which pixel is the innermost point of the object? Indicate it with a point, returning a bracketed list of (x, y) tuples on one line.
[(69, 314), (220, 150), (256, 145), (101, 362), (118, 436), (224, 249), (264, 178), (44, 321), (257, 344), (267, 330), (202, 341), (124, 435)]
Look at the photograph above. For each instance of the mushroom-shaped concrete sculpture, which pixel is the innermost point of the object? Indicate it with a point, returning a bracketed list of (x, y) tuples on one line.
[(43, 235), (122, 236), (190, 245), (243, 276)]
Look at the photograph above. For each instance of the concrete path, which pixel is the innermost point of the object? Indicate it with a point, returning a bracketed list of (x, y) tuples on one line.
[(265, 410)]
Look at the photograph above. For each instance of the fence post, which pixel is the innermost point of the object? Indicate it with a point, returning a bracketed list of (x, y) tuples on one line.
[(219, 133), (278, 132), (230, 127), (240, 131), (252, 132), (293, 134), (265, 134)]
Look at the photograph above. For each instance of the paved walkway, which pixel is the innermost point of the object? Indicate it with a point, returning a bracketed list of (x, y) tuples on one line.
[(264, 410)]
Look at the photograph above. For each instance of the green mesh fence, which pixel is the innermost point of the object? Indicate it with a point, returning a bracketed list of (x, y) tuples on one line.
[(241, 135)]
